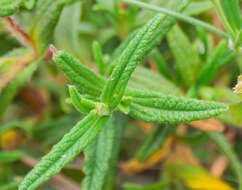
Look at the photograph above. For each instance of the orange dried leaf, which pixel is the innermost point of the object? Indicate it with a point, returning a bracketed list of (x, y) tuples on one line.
[(218, 166), (211, 125), (146, 127)]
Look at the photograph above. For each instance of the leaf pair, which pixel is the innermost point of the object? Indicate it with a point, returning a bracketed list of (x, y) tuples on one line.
[(144, 40)]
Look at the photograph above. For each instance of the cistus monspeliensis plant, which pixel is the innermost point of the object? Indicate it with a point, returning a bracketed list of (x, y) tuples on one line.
[(102, 81)]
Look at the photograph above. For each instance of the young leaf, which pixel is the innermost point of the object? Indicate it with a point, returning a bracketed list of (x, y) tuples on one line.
[(98, 157), (154, 140), (8, 7), (186, 57), (81, 104), (97, 52), (84, 78), (82, 134), (144, 40), (155, 107)]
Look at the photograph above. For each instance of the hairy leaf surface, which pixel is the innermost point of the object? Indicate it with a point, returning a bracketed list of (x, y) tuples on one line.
[(98, 157), (81, 104), (145, 39), (154, 107), (8, 7), (83, 77), (63, 152)]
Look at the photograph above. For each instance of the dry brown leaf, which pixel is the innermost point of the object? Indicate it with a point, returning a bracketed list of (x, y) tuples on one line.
[(134, 166), (152, 65), (219, 166), (211, 125), (37, 99)]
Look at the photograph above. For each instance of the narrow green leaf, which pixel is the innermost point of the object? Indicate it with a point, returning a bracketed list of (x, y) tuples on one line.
[(159, 108), (231, 11), (160, 63), (8, 7), (91, 83), (145, 39), (154, 140), (118, 51), (7, 157), (97, 52), (84, 78), (80, 103), (220, 57), (97, 158), (82, 134), (224, 145), (119, 123), (186, 57)]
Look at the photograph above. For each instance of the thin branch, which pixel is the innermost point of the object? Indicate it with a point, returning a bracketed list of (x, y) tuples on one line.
[(179, 16)]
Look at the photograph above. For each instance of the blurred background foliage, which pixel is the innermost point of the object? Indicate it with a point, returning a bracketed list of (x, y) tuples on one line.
[(34, 113)]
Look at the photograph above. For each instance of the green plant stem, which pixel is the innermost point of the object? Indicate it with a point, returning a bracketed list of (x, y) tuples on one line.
[(179, 16)]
